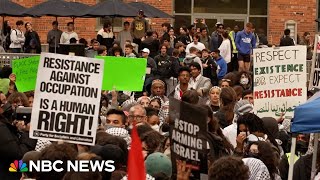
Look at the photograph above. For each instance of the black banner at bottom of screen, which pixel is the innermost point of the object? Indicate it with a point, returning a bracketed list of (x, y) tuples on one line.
[(59, 136)]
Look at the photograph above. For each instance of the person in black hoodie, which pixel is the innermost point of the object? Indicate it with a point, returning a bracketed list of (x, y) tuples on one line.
[(105, 35), (32, 43), (183, 38), (151, 44), (209, 67), (286, 40), (14, 143)]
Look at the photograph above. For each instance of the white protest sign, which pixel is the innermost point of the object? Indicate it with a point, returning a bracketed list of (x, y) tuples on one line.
[(67, 99), (315, 68), (280, 78)]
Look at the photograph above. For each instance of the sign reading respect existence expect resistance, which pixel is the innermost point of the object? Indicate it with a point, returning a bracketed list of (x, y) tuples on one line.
[(280, 78), (67, 99)]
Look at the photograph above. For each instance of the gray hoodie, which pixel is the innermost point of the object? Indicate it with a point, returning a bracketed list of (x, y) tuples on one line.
[(193, 58)]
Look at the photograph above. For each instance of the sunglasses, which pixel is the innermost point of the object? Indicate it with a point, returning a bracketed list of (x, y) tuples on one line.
[(228, 80)]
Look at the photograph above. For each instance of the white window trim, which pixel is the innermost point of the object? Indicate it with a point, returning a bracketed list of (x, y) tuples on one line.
[(294, 23)]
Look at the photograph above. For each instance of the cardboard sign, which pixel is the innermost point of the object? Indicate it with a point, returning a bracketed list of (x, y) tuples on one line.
[(123, 74), (188, 132), (67, 99), (279, 80), (315, 68), (26, 73)]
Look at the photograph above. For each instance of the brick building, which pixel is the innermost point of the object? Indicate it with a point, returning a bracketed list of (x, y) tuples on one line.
[(269, 16)]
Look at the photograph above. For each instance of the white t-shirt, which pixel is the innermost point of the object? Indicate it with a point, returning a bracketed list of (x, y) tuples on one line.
[(230, 132), (66, 36), (200, 46), (225, 50)]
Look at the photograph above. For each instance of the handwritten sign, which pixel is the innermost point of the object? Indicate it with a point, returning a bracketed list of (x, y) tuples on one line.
[(26, 73), (188, 136), (67, 99), (315, 68), (279, 80)]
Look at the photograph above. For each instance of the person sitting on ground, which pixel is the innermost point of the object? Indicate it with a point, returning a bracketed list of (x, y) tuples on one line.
[(92, 52), (192, 57), (183, 86), (230, 168), (264, 151), (144, 101), (158, 89), (128, 51), (228, 99), (214, 99), (102, 50), (157, 163), (199, 83), (153, 118), (116, 118), (248, 95)]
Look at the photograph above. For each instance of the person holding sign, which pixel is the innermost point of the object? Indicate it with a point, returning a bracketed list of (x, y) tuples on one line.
[(245, 42)]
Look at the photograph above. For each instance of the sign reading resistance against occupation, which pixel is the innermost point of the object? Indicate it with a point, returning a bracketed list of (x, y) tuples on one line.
[(188, 137), (279, 80), (67, 99)]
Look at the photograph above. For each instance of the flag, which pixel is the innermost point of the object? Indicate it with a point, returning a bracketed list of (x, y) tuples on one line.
[(136, 169)]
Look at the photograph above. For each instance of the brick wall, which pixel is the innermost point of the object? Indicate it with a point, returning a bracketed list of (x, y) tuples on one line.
[(281, 11), (85, 27)]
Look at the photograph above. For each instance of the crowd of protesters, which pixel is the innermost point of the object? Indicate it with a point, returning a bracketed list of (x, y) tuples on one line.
[(211, 71)]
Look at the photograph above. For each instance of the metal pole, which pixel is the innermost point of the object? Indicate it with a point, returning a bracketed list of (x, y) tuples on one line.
[(55, 40), (292, 155), (314, 156)]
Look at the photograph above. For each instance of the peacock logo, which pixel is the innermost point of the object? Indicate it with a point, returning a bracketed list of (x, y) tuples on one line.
[(18, 166)]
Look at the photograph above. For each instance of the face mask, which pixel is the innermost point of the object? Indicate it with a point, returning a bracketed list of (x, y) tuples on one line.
[(155, 127), (108, 126), (244, 81)]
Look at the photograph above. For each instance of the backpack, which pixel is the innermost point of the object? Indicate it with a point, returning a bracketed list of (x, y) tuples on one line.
[(164, 67), (8, 39), (188, 60)]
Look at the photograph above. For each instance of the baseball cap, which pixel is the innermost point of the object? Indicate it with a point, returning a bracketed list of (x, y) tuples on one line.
[(145, 50), (158, 163), (218, 23)]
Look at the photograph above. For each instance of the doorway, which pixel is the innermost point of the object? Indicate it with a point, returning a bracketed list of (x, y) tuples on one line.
[(212, 19)]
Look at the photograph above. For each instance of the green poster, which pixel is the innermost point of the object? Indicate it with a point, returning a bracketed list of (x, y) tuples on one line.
[(26, 73), (123, 74)]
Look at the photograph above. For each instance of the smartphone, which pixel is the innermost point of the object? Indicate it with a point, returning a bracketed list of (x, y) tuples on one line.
[(24, 114)]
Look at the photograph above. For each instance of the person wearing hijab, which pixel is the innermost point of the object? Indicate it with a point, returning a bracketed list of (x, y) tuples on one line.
[(258, 170)]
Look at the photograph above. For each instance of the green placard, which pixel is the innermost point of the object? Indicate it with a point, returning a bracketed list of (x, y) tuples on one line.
[(4, 85), (26, 73), (123, 74)]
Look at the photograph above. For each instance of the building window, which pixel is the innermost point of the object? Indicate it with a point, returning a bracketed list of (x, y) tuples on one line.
[(258, 7), (181, 21), (292, 25), (221, 6), (182, 6), (260, 23)]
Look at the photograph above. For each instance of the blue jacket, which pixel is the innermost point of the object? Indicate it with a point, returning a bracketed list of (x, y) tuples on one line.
[(223, 67), (245, 42)]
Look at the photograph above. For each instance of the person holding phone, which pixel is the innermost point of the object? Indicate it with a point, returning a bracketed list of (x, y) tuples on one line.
[(14, 136)]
